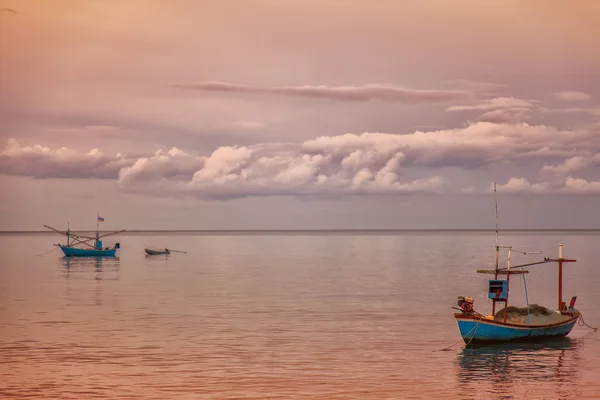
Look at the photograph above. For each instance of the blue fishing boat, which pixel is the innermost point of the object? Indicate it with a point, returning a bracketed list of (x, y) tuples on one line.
[(532, 322), (94, 246)]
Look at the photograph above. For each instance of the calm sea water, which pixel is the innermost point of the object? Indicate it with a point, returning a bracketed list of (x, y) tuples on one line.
[(284, 316)]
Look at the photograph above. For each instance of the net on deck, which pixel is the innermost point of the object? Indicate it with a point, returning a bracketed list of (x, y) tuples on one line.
[(538, 315)]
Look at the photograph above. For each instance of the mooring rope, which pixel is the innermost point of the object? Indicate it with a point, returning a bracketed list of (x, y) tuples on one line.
[(43, 254), (581, 322), (462, 339)]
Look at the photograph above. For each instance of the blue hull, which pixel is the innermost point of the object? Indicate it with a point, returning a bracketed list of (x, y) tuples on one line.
[(482, 330), (75, 252)]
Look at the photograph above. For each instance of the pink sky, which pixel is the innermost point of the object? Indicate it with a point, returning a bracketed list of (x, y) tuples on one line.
[(282, 115)]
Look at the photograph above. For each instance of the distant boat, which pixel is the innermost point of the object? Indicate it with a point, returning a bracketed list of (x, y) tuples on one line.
[(157, 252), (164, 251), (93, 249), (515, 323)]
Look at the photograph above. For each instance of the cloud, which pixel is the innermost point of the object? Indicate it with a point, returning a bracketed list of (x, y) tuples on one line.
[(478, 86), (582, 186), (249, 125), (375, 163), (522, 185), (172, 164), (499, 109), (573, 164), (42, 162), (571, 95), (575, 110), (493, 104), (366, 163), (387, 93), (509, 115)]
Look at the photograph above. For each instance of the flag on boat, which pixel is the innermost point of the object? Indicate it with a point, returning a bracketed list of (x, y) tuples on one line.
[(100, 219)]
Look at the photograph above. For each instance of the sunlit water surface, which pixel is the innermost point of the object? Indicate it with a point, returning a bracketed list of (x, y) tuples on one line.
[(284, 316)]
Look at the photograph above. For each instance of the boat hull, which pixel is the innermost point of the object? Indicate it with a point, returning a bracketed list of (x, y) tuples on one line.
[(480, 330), (75, 252)]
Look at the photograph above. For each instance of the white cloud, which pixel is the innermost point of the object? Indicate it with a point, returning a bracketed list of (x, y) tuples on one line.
[(172, 164), (42, 162), (573, 164), (522, 185), (349, 163), (581, 186), (572, 95)]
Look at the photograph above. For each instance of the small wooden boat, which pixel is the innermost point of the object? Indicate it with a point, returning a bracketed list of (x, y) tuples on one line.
[(157, 252), (163, 251), (93, 243), (515, 323)]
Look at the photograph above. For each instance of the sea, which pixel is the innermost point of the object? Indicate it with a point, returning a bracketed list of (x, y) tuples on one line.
[(287, 315)]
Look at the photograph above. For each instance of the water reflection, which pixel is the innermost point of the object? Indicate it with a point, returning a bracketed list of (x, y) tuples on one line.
[(82, 268), (518, 366), (75, 263)]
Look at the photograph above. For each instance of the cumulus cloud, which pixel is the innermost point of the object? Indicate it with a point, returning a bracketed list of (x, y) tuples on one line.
[(387, 93), (351, 163), (573, 164), (581, 186), (42, 162), (522, 185), (571, 95), (172, 164), (262, 170), (377, 162)]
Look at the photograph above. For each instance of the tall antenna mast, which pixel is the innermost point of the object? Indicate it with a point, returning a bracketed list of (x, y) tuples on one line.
[(496, 206), (497, 248)]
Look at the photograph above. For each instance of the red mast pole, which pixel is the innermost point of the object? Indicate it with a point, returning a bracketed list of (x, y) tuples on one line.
[(560, 261)]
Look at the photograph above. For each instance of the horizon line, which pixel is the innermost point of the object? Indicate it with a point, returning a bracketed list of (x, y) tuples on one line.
[(318, 230)]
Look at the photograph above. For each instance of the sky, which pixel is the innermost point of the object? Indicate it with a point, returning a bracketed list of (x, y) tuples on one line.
[(299, 114)]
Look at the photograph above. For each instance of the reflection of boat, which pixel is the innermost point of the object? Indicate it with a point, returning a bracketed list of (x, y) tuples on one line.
[(99, 263), (92, 250), (512, 323), (83, 262), (518, 368), (151, 252)]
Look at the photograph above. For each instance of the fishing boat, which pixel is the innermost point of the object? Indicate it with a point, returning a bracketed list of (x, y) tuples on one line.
[(151, 252), (515, 323), (93, 244)]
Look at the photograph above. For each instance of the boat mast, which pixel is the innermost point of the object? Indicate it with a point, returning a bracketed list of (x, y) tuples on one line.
[(560, 262), (507, 283), (497, 249), (97, 229), (68, 234)]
